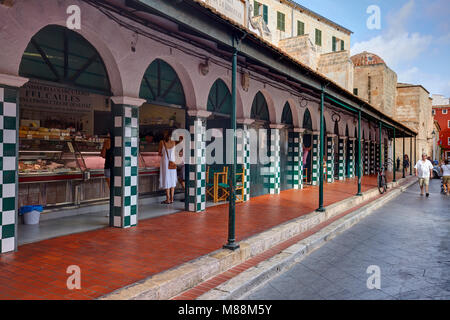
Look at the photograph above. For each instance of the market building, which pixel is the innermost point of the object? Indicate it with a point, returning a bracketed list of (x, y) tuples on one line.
[(136, 69)]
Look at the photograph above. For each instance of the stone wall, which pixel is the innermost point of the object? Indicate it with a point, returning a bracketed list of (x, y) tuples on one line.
[(414, 110), (338, 67), (377, 84)]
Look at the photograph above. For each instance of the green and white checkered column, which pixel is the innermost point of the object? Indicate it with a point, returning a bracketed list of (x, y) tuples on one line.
[(125, 175), (9, 126), (196, 182), (295, 158), (366, 158), (342, 162), (330, 157), (351, 158), (372, 157), (386, 152), (315, 158), (243, 156), (377, 154), (272, 172)]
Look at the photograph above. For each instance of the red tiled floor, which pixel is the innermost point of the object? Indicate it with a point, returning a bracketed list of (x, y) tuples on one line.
[(112, 258)]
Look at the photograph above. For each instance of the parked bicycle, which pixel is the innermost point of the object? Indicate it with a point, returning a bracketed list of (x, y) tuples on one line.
[(381, 177)]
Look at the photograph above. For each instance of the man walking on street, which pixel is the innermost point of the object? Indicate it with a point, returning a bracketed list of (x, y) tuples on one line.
[(424, 170)]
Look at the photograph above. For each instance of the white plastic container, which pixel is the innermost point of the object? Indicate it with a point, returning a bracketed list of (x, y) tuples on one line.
[(31, 217)]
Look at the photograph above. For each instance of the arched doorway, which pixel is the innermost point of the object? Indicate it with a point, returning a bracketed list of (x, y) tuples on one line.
[(164, 111), (64, 118), (220, 105), (307, 145), (287, 120), (260, 113)]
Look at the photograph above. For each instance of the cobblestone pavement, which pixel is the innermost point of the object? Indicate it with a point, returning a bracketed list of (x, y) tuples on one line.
[(409, 239)]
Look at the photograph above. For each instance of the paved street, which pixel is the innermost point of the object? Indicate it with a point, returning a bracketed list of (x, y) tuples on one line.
[(409, 239)]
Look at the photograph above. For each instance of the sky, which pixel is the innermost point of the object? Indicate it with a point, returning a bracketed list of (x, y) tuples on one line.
[(413, 38)]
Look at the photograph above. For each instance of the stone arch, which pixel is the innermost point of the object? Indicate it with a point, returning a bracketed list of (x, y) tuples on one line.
[(183, 76), (239, 104), (287, 116), (294, 110), (269, 104), (102, 37)]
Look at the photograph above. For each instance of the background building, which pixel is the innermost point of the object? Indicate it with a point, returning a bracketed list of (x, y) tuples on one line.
[(442, 117)]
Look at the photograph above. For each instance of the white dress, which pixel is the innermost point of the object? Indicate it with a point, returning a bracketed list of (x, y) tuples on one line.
[(167, 177)]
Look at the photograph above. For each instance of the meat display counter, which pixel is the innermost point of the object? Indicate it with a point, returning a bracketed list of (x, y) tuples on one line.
[(70, 173)]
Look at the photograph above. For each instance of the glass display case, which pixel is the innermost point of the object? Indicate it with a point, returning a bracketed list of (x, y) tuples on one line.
[(49, 157)]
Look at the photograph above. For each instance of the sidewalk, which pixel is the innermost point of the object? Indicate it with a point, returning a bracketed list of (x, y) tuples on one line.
[(113, 258)]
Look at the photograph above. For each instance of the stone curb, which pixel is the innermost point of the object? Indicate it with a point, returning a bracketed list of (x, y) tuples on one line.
[(255, 277), (172, 282)]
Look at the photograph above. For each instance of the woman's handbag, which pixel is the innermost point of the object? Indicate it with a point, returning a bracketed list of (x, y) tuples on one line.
[(172, 165)]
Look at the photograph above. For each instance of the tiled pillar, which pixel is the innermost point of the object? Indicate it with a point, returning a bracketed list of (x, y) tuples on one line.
[(315, 158), (295, 158), (243, 155), (272, 171), (125, 175), (196, 168), (377, 155), (372, 145), (342, 154), (9, 145), (351, 158), (366, 158), (386, 152), (330, 157)]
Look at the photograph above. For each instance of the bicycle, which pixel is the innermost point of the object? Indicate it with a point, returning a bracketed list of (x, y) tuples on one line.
[(381, 177)]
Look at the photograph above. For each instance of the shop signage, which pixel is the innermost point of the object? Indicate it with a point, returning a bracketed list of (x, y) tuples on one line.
[(46, 98), (233, 9)]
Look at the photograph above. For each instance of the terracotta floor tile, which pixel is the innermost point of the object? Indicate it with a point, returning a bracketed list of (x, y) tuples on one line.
[(111, 258)]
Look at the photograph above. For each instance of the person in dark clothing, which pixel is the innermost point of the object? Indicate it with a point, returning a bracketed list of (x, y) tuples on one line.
[(108, 155)]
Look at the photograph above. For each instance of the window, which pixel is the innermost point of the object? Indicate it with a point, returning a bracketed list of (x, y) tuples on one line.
[(342, 45), (448, 141), (318, 37), (300, 28), (448, 124), (333, 44), (433, 112), (444, 111), (280, 21), (355, 91), (257, 11)]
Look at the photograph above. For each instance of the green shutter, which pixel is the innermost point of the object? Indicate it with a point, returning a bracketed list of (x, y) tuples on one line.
[(318, 37), (342, 45), (265, 14), (280, 21), (256, 8), (334, 44), (300, 28)]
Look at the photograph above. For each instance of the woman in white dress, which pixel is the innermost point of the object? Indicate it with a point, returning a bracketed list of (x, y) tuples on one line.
[(167, 177)]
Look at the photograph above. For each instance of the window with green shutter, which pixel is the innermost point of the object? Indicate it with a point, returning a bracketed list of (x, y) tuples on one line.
[(300, 28), (355, 91), (280, 21), (318, 37), (333, 44), (256, 6), (342, 45), (265, 14)]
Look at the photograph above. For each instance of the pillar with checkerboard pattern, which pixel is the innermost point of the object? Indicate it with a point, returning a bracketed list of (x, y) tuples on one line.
[(125, 174), (315, 158), (330, 158), (271, 172), (295, 158), (196, 177), (351, 158), (243, 156), (341, 154), (366, 158), (372, 145), (8, 168)]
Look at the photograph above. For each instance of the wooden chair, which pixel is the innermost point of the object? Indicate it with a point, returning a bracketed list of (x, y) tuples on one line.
[(221, 187), (211, 181), (222, 191)]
